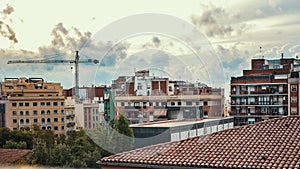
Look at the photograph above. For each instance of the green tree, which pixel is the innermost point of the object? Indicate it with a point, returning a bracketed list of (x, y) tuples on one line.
[(4, 136), (15, 145), (46, 136), (60, 155), (41, 153)]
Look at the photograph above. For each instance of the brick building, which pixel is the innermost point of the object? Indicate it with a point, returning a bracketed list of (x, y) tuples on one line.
[(268, 90), (146, 98)]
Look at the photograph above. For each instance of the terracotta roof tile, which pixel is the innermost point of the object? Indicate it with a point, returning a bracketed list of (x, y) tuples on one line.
[(270, 144), (9, 156)]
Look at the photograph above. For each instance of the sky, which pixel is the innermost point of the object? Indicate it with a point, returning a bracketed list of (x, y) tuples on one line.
[(195, 40)]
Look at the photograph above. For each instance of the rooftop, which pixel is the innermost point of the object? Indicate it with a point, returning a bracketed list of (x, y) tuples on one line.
[(175, 123), (10, 156), (270, 144)]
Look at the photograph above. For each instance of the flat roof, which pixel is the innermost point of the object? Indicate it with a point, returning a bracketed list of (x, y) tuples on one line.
[(175, 123)]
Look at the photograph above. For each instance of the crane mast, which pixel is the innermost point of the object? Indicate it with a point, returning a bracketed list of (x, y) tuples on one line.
[(76, 62)]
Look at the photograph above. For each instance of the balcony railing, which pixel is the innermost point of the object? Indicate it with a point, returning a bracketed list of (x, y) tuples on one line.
[(70, 115), (25, 124), (70, 124), (46, 123)]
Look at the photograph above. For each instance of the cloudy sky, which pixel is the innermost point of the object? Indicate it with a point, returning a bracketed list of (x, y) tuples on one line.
[(196, 40)]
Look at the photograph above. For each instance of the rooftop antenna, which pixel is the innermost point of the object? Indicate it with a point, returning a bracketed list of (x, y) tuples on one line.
[(260, 52)]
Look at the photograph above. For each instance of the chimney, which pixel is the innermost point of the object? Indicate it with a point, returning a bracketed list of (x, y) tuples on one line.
[(281, 55)]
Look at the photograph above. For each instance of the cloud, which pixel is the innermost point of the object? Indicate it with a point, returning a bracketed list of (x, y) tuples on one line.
[(115, 55), (274, 4), (216, 22), (64, 42), (160, 59), (68, 39), (5, 30)]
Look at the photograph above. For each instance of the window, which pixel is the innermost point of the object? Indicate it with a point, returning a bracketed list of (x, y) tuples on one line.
[(15, 120), (179, 103), (27, 113), (62, 112), (55, 104), (21, 113), (55, 119), (189, 103), (14, 112), (129, 104), (48, 103), (35, 112), (144, 104), (62, 119), (243, 88), (26, 104), (42, 103), (294, 99), (205, 103), (21, 104), (150, 104), (145, 114), (34, 103), (42, 112), (293, 88), (62, 103), (122, 104), (62, 127), (14, 104), (197, 103), (35, 120), (205, 113), (48, 111), (55, 127), (55, 111), (293, 110), (163, 103)]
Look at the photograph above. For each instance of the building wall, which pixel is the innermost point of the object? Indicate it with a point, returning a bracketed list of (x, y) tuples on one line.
[(92, 115), (156, 95), (265, 91), (155, 133), (33, 101)]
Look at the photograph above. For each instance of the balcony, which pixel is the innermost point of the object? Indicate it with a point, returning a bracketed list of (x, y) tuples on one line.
[(70, 131), (71, 124), (24, 124), (46, 124), (70, 115)]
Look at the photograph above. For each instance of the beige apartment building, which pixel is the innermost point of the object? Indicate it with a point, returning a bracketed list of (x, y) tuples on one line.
[(34, 101)]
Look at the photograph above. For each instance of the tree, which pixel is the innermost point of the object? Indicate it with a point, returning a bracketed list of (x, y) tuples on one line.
[(122, 135), (4, 136), (40, 153), (15, 145)]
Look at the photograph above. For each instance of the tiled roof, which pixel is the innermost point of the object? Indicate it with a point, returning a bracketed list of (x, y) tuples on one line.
[(9, 156), (270, 144)]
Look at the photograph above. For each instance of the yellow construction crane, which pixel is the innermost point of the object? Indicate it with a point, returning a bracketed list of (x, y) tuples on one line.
[(75, 61)]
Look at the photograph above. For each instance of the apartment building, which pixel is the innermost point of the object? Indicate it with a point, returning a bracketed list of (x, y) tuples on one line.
[(144, 98), (93, 112), (34, 101), (268, 90)]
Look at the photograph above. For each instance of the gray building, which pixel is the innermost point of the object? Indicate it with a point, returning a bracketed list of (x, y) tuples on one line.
[(176, 130)]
